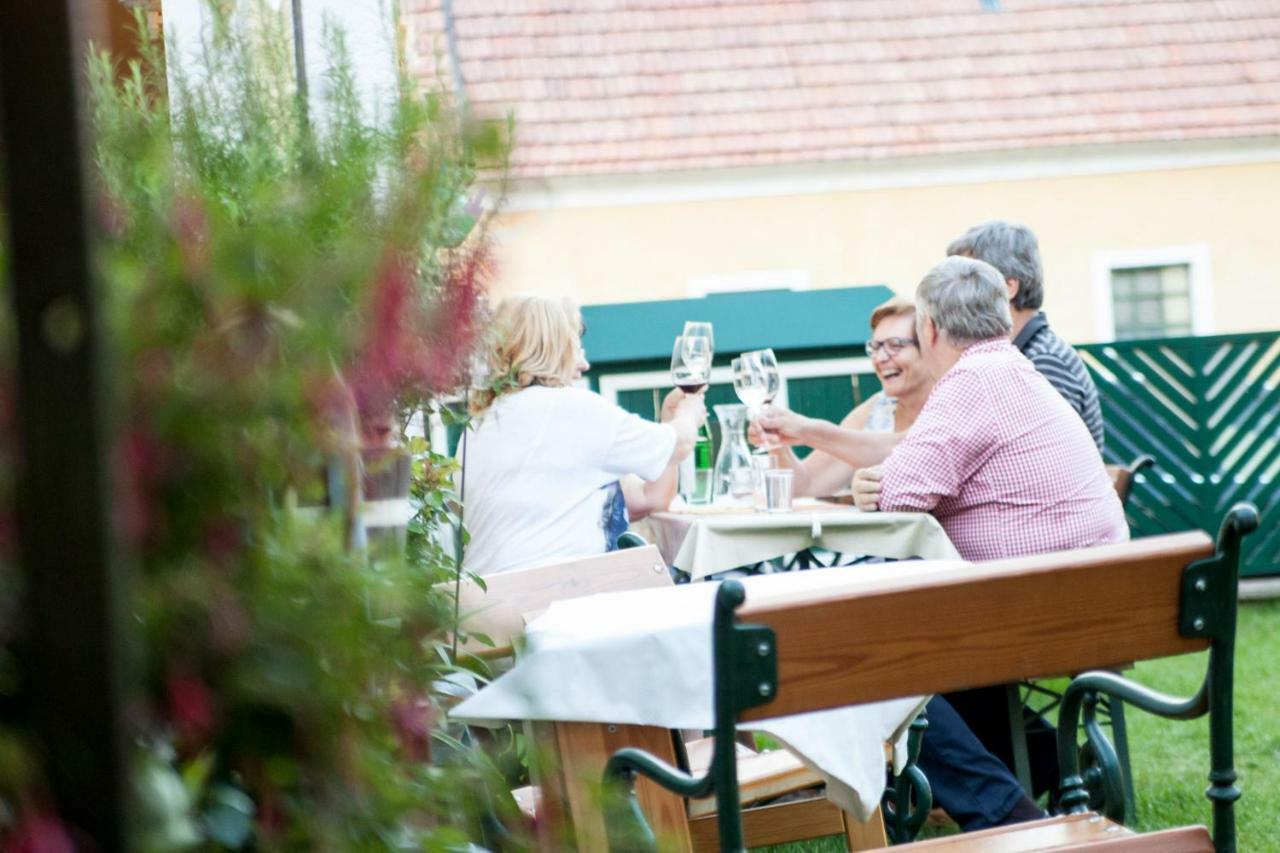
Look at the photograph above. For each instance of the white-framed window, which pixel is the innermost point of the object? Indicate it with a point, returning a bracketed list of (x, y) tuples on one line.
[(1153, 293), (734, 282)]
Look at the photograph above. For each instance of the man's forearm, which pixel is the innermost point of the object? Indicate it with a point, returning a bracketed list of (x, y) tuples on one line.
[(856, 447)]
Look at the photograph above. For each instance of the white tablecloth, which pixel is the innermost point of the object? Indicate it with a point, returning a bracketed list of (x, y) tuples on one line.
[(644, 658), (703, 541)]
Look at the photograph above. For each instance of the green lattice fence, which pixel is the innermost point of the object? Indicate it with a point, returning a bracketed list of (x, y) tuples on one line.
[(1208, 410)]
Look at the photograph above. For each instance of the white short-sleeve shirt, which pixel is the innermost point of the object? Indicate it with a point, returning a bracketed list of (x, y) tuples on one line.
[(539, 465)]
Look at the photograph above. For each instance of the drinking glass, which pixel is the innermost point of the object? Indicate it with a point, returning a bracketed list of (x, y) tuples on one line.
[(690, 370), (778, 484), (699, 341), (769, 367), (761, 463), (750, 382)]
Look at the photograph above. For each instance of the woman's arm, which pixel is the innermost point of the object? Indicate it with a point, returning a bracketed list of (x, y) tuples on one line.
[(644, 498), (823, 473), (685, 413)]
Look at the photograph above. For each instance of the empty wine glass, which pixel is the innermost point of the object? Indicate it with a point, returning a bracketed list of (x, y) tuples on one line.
[(698, 341), (749, 382), (769, 367), (760, 382)]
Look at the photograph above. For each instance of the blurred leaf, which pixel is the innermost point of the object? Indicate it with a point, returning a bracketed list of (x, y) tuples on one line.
[(196, 772), (229, 817)]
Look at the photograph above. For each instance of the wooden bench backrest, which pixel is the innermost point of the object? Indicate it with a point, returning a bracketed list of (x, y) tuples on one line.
[(498, 611), (989, 623)]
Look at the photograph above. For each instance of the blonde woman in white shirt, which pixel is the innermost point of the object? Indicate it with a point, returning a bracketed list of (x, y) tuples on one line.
[(546, 462)]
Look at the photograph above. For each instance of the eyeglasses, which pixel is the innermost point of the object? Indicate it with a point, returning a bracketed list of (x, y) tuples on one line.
[(892, 346)]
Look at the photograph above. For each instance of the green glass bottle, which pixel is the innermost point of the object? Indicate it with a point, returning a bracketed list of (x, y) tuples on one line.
[(703, 462)]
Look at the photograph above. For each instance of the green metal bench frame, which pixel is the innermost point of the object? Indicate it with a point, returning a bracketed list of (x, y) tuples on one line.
[(745, 676), (1210, 589)]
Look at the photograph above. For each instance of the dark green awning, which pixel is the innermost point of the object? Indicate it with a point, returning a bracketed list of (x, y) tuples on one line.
[(782, 319)]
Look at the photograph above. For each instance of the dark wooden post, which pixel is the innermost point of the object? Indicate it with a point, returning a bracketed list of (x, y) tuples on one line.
[(73, 608)]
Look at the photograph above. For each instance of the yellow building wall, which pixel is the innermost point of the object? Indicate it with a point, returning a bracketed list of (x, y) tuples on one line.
[(892, 236)]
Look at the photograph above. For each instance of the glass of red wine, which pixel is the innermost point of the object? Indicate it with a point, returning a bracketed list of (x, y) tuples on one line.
[(691, 364)]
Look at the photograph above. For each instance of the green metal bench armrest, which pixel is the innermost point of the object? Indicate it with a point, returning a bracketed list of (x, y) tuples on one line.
[(745, 674), (907, 802), (1207, 609), (628, 539)]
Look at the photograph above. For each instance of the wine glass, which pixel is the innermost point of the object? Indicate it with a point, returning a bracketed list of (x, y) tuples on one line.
[(750, 382), (690, 365), (769, 366), (760, 382), (699, 341)]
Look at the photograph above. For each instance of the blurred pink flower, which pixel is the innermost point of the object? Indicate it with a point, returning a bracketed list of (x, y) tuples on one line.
[(412, 718), (223, 538), (191, 705), (40, 832), (453, 329), (141, 463)]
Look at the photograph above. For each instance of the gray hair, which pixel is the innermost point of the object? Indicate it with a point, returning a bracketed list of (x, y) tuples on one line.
[(966, 299), (1010, 248)]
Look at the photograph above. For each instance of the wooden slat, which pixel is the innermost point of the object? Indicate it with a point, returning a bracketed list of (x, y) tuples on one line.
[(987, 623), (1187, 839), (762, 776), (1054, 833), (1087, 832), (498, 611), (776, 824)]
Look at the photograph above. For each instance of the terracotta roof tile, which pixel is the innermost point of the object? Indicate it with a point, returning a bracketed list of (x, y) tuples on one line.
[(614, 86)]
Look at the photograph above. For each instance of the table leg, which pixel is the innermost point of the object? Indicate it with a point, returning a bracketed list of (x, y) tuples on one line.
[(868, 835), (553, 828), (579, 751)]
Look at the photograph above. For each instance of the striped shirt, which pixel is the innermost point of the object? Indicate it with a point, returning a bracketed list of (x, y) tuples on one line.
[(1003, 463), (1060, 364)]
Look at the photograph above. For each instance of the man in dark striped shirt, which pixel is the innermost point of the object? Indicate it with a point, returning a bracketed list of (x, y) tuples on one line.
[(1014, 251)]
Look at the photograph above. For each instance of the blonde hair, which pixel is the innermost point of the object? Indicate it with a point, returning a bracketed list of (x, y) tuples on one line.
[(535, 343), (898, 306)]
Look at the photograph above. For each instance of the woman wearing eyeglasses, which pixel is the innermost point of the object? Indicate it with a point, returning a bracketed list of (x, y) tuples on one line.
[(906, 383)]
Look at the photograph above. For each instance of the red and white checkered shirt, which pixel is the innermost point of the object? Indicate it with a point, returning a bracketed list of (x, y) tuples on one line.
[(1003, 462)]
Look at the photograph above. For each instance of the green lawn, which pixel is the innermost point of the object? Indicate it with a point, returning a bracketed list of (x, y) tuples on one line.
[(1171, 757)]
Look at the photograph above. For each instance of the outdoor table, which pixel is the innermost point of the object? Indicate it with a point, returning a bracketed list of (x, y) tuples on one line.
[(604, 670), (703, 540)]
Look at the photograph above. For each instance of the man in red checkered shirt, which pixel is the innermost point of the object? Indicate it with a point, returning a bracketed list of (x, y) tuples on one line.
[(996, 455), (1008, 468)]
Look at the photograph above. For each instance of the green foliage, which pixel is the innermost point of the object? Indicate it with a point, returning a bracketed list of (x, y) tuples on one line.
[(275, 282)]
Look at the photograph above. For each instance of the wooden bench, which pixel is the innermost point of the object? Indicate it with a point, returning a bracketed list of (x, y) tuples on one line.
[(988, 623), (494, 611)]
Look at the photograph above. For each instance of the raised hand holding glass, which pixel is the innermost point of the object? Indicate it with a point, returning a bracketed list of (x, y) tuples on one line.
[(689, 375)]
